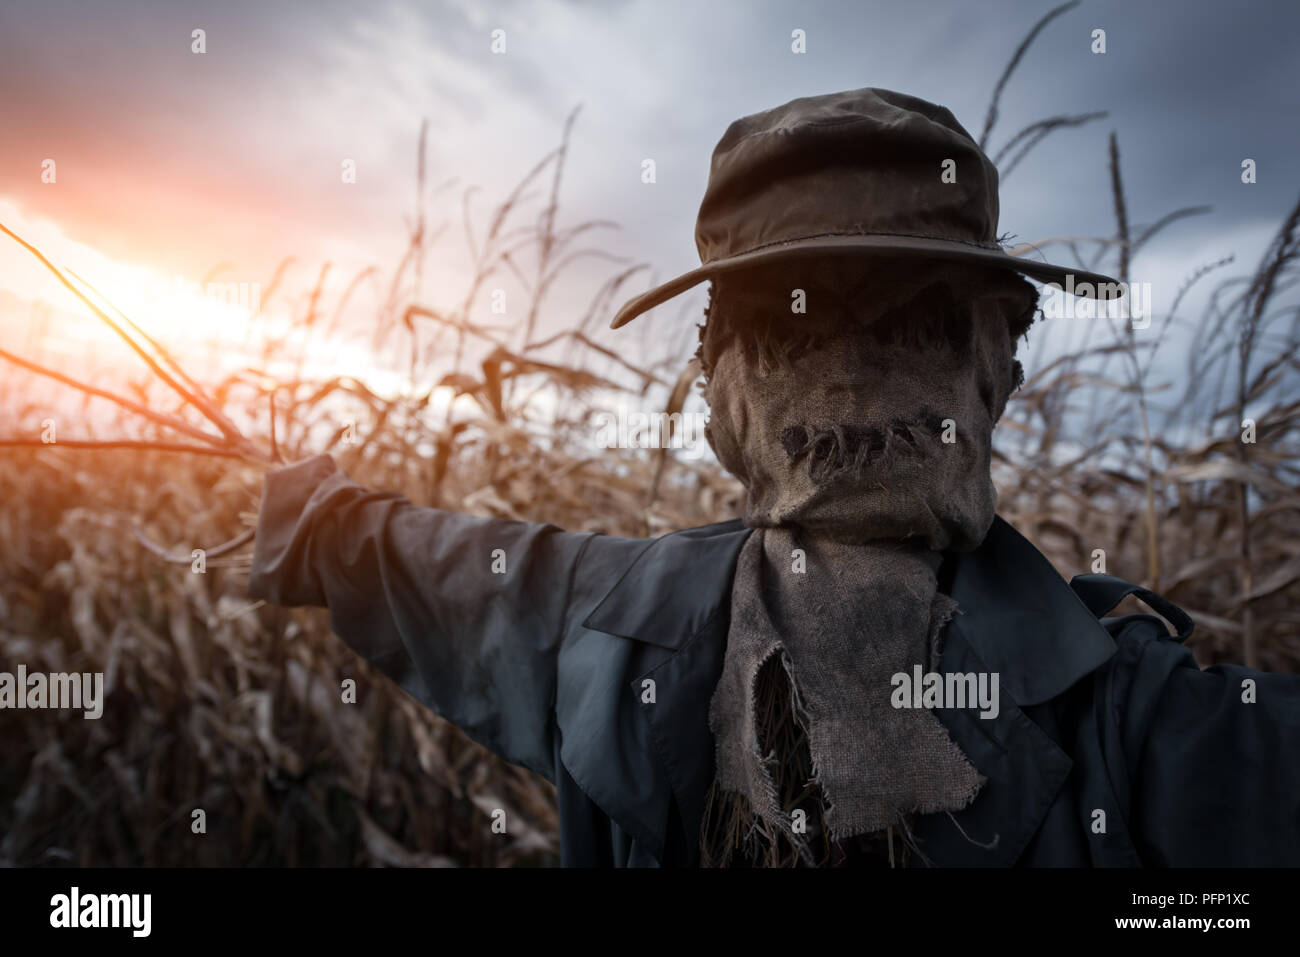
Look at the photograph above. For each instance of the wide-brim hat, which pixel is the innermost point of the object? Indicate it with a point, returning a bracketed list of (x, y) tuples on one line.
[(865, 172)]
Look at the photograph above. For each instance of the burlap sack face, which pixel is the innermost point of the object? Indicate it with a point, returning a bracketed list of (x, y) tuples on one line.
[(862, 437)]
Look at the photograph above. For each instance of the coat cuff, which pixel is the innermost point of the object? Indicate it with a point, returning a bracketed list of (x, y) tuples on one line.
[(285, 494)]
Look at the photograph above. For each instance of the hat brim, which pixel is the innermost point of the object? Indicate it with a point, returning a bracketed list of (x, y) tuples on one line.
[(1089, 284)]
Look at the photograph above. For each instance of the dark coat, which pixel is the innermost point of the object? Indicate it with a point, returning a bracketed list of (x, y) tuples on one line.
[(545, 663)]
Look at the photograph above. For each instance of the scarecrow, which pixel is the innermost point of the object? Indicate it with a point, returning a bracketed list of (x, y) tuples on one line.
[(870, 668)]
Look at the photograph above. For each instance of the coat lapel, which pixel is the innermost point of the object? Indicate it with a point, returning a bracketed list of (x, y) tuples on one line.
[(1018, 619), (676, 597)]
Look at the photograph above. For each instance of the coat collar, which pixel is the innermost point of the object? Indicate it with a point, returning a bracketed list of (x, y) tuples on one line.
[(1022, 618), (658, 599), (1017, 617)]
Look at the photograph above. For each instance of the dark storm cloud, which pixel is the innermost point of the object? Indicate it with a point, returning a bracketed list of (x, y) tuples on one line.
[(234, 156)]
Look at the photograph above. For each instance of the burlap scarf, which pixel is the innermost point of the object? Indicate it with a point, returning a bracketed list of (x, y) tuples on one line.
[(864, 457), (842, 629)]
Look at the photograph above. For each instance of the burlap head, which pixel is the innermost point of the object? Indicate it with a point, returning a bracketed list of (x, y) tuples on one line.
[(870, 414)]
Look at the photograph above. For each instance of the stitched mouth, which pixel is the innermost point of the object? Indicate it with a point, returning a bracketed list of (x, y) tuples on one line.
[(847, 449)]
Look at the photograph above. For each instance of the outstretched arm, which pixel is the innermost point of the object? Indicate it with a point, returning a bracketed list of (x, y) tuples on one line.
[(464, 613)]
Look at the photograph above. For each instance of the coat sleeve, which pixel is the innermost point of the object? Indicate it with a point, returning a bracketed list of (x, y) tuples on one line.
[(464, 613), (1213, 757)]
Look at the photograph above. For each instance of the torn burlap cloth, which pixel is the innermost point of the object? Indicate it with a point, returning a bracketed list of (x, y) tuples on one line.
[(841, 629)]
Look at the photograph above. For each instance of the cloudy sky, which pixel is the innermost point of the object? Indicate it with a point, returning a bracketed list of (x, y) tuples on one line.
[(175, 163)]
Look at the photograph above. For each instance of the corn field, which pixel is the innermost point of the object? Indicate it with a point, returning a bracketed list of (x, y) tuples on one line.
[(218, 703)]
